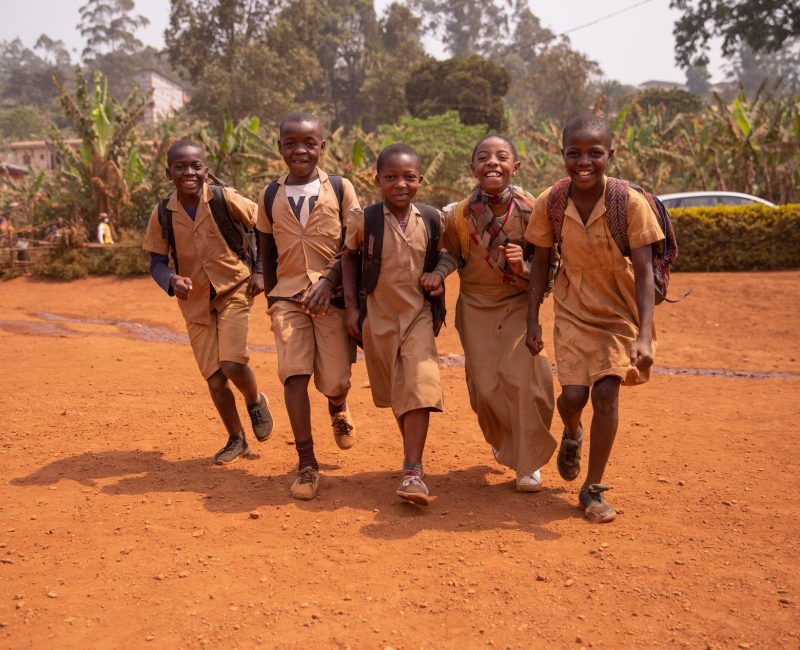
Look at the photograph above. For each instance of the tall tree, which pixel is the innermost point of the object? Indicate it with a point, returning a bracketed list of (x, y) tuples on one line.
[(698, 80), (242, 55), (464, 26), (400, 51), (763, 25), (110, 26)]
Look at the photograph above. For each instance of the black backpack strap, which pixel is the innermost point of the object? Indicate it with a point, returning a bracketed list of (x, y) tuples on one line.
[(372, 247), (338, 187), (232, 231), (430, 216), (269, 199), (167, 231)]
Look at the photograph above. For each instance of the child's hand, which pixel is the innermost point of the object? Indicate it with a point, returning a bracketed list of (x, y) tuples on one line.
[(351, 316), (642, 354), (432, 283), (514, 257), (181, 286), (256, 285), (317, 298), (533, 340)]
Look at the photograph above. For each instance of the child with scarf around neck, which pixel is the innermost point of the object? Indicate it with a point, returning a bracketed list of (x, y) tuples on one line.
[(510, 391)]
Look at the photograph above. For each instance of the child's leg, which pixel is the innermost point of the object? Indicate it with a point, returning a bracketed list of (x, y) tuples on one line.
[(605, 402), (337, 404), (244, 379), (570, 406), (414, 428), (298, 406), (224, 400)]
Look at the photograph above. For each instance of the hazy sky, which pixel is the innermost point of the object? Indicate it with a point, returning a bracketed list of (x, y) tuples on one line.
[(632, 47)]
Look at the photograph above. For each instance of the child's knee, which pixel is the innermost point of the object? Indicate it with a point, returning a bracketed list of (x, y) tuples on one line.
[(296, 383), (605, 394), (232, 369), (573, 398), (217, 382)]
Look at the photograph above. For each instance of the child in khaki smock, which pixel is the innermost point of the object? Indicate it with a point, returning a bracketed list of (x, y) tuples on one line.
[(604, 333), (215, 291), (399, 346)]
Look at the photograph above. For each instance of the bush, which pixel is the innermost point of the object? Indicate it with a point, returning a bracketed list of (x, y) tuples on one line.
[(64, 264), (740, 238)]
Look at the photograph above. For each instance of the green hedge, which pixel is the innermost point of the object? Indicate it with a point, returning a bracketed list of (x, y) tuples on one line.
[(737, 238)]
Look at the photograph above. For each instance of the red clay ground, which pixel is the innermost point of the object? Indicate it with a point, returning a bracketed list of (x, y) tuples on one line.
[(116, 531)]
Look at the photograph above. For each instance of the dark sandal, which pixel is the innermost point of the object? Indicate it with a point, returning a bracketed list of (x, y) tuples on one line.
[(596, 508), (569, 455)]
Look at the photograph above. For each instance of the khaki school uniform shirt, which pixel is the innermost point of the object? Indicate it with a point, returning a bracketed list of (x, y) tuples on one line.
[(596, 317), (306, 254), (203, 254)]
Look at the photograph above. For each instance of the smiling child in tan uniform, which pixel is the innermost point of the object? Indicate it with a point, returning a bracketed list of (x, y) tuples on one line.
[(301, 237), (215, 290)]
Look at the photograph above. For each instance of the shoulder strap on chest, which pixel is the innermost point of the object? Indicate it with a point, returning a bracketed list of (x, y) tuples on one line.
[(167, 231), (430, 216), (269, 198), (557, 201), (338, 188), (232, 231), (616, 212), (372, 247)]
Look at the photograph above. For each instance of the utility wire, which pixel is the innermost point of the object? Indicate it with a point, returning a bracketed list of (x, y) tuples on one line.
[(606, 17)]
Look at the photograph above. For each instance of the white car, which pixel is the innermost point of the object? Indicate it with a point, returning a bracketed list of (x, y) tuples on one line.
[(703, 199)]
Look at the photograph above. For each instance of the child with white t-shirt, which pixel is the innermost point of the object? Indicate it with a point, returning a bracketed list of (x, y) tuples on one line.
[(299, 219)]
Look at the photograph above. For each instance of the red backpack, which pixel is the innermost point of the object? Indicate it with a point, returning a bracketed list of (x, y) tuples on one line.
[(664, 252)]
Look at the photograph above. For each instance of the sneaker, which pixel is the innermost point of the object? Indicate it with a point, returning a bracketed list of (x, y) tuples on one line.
[(343, 429), (306, 484), (234, 448), (596, 508), (529, 482), (261, 418), (413, 489)]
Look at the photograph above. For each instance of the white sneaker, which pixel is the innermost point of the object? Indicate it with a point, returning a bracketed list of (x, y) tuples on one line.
[(529, 482)]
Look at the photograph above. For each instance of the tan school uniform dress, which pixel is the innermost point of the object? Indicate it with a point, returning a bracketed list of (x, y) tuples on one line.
[(306, 345), (399, 346), (217, 328), (510, 390), (596, 318)]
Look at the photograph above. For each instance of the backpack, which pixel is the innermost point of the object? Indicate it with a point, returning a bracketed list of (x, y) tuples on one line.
[(371, 257), (239, 238), (272, 192), (616, 198)]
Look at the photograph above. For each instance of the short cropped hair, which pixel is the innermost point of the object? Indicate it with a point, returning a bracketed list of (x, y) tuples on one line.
[(504, 138), (182, 144), (586, 122), (398, 149), (297, 118)]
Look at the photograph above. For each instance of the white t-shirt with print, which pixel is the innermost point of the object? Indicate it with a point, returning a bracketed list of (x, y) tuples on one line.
[(302, 199)]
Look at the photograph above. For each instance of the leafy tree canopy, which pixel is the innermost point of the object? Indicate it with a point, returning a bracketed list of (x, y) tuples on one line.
[(763, 25), (473, 86), (109, 26)]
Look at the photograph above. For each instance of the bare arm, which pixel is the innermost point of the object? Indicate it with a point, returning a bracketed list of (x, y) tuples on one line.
[(540, 274), (642, 351)]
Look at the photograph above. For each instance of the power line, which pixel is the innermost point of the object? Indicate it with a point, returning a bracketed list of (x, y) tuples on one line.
[(606, 17)]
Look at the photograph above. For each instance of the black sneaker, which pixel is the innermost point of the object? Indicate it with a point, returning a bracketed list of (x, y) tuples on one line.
[(596, 508), (234, 448), (261, 418)]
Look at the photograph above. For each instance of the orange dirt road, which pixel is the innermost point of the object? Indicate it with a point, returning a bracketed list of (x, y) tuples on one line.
[(116, 531)]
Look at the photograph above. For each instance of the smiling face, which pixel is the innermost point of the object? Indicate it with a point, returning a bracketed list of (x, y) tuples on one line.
[(586, 153), (301, 145), (399, 179), (493, 164), (188, 170)]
